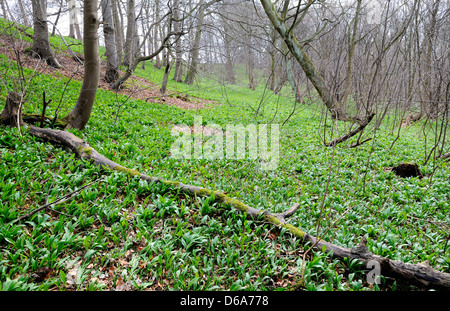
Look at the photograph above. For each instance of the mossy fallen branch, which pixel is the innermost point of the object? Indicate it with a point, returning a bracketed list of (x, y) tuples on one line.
[(421, 274)]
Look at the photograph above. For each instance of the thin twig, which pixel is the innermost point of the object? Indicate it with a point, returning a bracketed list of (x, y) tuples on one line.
[(52, 203)]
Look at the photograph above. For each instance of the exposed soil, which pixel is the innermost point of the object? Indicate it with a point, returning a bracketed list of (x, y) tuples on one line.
[(406, 170), (138, 88)]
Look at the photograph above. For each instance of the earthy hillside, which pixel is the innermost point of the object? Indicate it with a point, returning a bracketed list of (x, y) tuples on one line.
[(136, 87)]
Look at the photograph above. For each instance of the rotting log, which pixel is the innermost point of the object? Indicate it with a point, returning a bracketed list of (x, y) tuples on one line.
[(422, 274)]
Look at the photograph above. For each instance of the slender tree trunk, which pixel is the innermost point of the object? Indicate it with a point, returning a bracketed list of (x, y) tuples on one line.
[(131, 32), (112, 63), (24, 15), (250, 68), (41, 44), (156, 36), (427, 106), (79, 116), (272, 53), (192, 71), (228, 58), (11, 16), (74, 30), (351, 52), (250, 59), (5, 14), (178, 75), (143, 44), (118, 31), (57, 17), (165, 78), (292, 81)]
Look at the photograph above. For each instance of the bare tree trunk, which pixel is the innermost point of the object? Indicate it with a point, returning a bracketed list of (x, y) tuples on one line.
[(5, 14), (250, 67), (292, 81), (74, 30), (178, 75), (272, 72), (155, 37), (426, 103), (58, 15), (24, 15), (228, 58), (118, 31), (41, 44), (165, 78), (79, 116), (11, 17), (351, 52), (131, 33), (272, 52), (192, 71), (112, 63)]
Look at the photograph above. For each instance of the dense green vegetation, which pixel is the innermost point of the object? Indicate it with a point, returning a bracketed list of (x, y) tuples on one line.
[(122, 232)]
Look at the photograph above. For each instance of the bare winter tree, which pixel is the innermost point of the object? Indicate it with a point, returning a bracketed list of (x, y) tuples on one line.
[(339, 83), (138, 59), (298, 51)]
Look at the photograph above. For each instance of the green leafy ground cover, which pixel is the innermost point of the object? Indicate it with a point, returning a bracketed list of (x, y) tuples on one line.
[(123, 233)]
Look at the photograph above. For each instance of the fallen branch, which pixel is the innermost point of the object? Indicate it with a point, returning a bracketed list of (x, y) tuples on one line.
[(351, 133), (359, 143), (57, 201), (421, 273)]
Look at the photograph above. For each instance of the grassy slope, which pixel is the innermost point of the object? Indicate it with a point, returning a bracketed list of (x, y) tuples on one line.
[(122, 230)]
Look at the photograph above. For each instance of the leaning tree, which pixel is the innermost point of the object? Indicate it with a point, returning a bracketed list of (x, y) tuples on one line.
[(285, 24)]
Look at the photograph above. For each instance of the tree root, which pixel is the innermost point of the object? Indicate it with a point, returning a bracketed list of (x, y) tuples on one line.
[(421, 274)]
